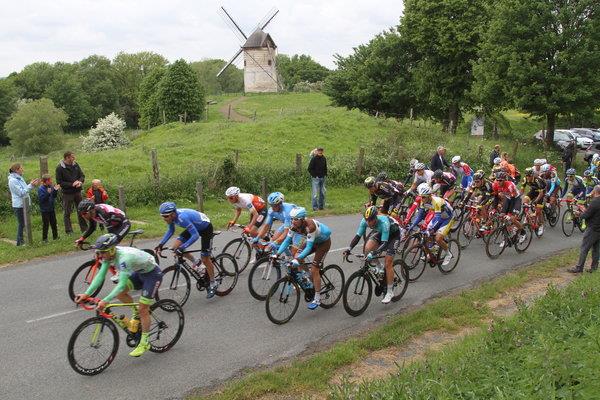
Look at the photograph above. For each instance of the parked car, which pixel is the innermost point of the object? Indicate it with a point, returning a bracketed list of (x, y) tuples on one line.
[(590, 134), (562, 137)]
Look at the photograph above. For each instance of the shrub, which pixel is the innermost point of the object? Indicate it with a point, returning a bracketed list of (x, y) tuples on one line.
[(107, 134), (306, 86)]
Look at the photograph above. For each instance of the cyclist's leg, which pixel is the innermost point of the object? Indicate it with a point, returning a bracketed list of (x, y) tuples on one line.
[(442, 231), (390, 252), (120, 230), (206, 237), (320, 251)]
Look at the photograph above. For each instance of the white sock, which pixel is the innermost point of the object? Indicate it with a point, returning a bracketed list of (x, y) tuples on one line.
[(317, 297), (390, 288)]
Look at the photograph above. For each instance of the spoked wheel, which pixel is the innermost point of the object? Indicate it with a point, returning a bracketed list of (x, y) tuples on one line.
[(568, 223), (93, 346), (495, 243), (454, 248), (415, 260), (458, 221), (357, 293), (82, 279), (401, 279), (241, 251), (467, 232), (522, 244), (282, 300), (552, 216), (226, 273), (332, 285), (175, 285), (262, 274), (166, 325)]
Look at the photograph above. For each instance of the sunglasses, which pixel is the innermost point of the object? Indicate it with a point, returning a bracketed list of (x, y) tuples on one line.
[(297, 219)]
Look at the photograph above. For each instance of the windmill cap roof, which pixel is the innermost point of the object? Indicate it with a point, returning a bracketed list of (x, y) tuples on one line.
[(259, 38)]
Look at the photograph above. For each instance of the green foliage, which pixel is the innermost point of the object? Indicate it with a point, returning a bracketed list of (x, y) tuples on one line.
[(150, 112), (33, 80), (8, 104), (98, 83), (180, 92), (109, 133), (36, 127), (299, 68), (230, 81)]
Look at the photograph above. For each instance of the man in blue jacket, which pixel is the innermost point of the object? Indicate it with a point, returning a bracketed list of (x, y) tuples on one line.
[(46, 196)]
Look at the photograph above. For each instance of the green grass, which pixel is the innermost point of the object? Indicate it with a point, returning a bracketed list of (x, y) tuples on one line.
[(313, 373), (546, 351)]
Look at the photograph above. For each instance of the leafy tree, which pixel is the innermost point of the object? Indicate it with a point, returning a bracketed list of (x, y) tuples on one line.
[(109, 133), (541, 56), (150, 113), (180, 92), (33, 80), (36, 127), (8, 104), (98, 82), (230, 81), (299, 68)]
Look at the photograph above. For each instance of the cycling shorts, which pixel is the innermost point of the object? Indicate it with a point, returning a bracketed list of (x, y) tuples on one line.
[(206, 238), (443, 226), (512, 205), (148, 282), (320, 250), (262, 216), (120, 230), (533, 194), (392, 244), (466, 181)]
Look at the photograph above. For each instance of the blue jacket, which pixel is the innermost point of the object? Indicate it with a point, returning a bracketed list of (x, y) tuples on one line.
[(46, 199), (19, 190)]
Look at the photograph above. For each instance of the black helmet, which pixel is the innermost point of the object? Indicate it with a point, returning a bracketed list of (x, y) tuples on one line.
[(587, 172), (501, 176), (382, 176), (438, 174), (85, 205), (106, 242), (478, 176), (529, 171)]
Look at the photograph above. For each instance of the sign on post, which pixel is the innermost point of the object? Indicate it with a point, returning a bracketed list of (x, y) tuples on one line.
[(477, 126)]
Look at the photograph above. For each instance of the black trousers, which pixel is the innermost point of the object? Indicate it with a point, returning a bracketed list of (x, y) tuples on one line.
[(49, 220), (591, 241)]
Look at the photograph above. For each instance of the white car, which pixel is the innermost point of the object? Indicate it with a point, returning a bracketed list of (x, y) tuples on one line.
[(562, 137), (582, 141)]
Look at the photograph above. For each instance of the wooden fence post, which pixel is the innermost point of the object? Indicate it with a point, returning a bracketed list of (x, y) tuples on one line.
[(122, 198), (206, 115), (514, 152), (263, 188), (43, 165), (229, 112), (237, 156), (185, 117), (360, 163), (200, 195), (254, 117), (27, 220), (155, 170), (164, 117), (298, 163), (479, 153)]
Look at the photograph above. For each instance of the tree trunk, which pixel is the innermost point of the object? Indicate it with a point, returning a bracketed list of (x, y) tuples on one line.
[(551, 121), (453, 118), (495, 130)]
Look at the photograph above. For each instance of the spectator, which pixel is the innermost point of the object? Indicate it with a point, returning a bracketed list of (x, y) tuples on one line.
[(438, 161), (19, 192), (509, 168), (46, 196), (591, 237), (494, 154), (96, 192), (568, 154), (317, 168), (70, 177)]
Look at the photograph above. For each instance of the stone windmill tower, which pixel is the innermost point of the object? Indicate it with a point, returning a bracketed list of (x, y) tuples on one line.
[(260, 54)]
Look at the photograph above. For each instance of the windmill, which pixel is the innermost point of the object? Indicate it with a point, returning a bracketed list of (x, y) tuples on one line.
[(260, 52)]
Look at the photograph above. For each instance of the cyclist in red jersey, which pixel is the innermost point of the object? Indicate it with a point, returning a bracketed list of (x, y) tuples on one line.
[(255, 205), (507, 191)]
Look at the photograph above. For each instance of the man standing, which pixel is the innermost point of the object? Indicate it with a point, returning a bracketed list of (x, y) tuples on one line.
[(568, 154), (317, 168), (494, 154), (70, 178), (591, 237), (438, 161)]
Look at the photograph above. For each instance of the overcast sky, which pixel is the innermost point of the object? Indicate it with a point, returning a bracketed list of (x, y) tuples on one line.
[(69, 30)]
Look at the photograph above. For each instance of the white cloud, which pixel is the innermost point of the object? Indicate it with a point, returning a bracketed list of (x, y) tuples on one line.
[(70, 30)]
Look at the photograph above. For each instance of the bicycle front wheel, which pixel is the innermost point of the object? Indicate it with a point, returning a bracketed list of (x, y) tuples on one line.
[(332, 285), (552, 216), (282, 300), (175, 285), (82, 279), (401, 279), (568, 223), (93, 346), (357, 293), (496, 243), (522, 243), (241, 251), (467, 232), (454, 249), (166, 325), (415, 260), (226, 273), (261, 277)]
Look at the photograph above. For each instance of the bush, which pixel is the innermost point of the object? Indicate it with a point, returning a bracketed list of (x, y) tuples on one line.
[(306, 87), (107, 134)]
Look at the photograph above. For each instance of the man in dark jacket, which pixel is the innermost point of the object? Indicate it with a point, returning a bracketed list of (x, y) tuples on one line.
[(70, 177), (591, 237), (438, 161), (494, 154), (317, 168), (568, 154)]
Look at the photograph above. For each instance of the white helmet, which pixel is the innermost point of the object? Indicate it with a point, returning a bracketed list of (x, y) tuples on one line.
[(232, 191), (419, 166), (497, 160), (543, 161), (455, 159), (545, 168), (595, 157), (538, 162), (424, 189), (413, 162)]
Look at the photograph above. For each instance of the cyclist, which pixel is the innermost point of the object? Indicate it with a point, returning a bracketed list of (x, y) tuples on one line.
[(442, 183), (594, 163), (537, 191), (251, 202), (196, 226), (462, 172), (137, 270), (481, 188), (114, 219), (422, 175), (386, 189), (589, 181), (537, 165), (411, 171), (574, 185), (496, 168), (506, 191), (318, 241), (280, 211), (385, 236), (548, 172), (442, 220)]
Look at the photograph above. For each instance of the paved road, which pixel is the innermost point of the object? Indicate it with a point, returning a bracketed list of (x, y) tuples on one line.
[(222, 336)]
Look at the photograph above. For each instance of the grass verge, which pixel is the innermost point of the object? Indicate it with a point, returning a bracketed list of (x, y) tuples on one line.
[(313, 373)]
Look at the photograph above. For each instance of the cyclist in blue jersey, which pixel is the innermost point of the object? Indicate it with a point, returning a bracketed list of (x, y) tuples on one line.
[(574, 185), (278, 211), (386, 238), (548, 172), (318, 241), (589, 180), (197, 226)]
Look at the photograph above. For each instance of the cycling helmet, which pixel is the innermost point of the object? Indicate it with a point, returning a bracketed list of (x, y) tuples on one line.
[(570, 172), (413, 162), (275, 198), (370, 213), (232, 191), (477, 176), (438, 174), (529, 171), (167, 208), (106, 242), (423, 189), (587, 172), (382, 176), (497, 160), (85, 205), (370, 181), (419, 165), (455, 159), (595, 157), (545, 168), (543, 161), (501, 176), (298, 213)]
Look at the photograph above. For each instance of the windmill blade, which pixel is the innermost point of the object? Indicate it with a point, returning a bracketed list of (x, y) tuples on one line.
[(230, 62), (234, 23), (269, 17)]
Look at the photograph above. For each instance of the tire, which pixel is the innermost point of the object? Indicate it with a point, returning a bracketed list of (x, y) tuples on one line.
[(226, 273), (401, 279), (467, 233), (101, 330), (282, 300), (241, 251), (82, 278), (521, 247), (454, 248), (492, 244), (332, 285), (357, 293), (552, 216), (568, 223), (166, 325), (414, 262), (459, 219), (261, 277), (176, 285)]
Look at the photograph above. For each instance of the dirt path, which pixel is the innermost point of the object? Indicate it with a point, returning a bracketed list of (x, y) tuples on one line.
[(233, 115)]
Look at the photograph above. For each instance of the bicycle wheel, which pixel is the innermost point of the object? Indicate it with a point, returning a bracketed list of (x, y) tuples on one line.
[(166, 325), (458, 221), (552, 217), (282, 300), (261, 277), (82, 279), (568, 223), (520, 247), (357, 293), (467, 233), (415, 259), (93, 346), (454, 248), (241, 251), (332, 285), (176, 285), (226, 273), (496, 243), (401, 279)]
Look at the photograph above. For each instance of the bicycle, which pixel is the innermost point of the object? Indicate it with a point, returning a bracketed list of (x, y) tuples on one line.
[(263, 273), (473, 226), (528, 215), (241, 249), (552, 212), (84, 275), (425, 251), (507, 235), (570, 219), (100, 333), (284, 296)]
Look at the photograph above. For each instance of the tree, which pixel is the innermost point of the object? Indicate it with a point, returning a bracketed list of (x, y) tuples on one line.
[(33, 80), (180, 93), (36, 127), (109, 133), (230, 81), (98, 82), (8, 104), (150, 113), (299, 68), (541, 56)]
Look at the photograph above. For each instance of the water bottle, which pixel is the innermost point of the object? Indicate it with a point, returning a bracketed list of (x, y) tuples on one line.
[(133, 325), (379, 271), (305, 282), (123, 321)]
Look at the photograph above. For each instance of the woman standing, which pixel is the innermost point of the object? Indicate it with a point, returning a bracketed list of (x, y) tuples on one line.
[(19, 191)]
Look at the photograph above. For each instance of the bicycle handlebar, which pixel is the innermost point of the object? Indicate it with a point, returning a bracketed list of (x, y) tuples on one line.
[(94, 301)]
